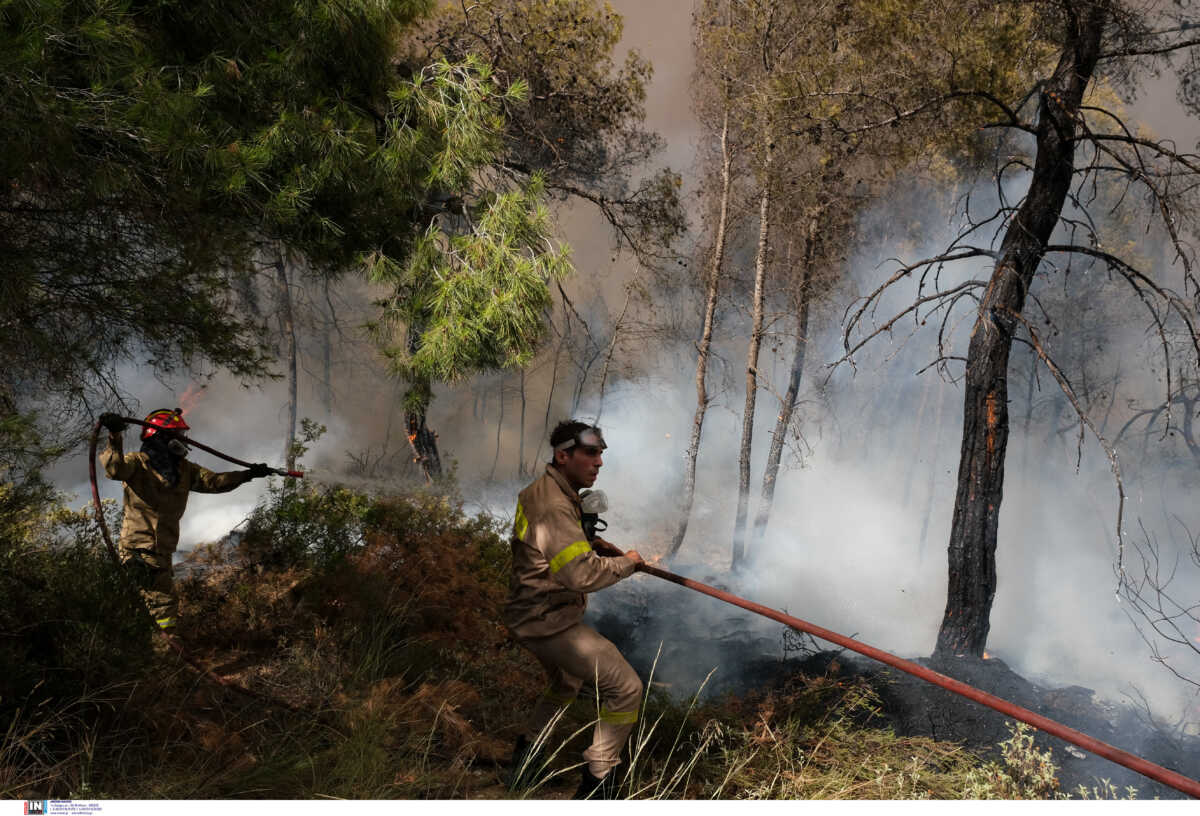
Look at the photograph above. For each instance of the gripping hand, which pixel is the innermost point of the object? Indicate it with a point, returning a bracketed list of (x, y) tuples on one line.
[(260, 470)]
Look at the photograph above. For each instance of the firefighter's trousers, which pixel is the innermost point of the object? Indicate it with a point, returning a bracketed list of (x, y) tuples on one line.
[(154, 575), (571, 657)]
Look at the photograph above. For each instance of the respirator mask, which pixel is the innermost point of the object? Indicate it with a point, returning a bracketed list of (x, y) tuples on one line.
[(177, 447), (592, 504)]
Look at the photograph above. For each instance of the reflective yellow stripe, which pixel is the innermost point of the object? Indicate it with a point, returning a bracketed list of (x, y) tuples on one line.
[(165, 623), (618, 717), (520, 523), (568, 555)]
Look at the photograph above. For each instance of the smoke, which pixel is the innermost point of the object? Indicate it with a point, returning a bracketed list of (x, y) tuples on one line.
[(857, 540)]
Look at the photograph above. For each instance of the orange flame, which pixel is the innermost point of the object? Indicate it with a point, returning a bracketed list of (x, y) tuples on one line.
[(987, 656), (190, 397)]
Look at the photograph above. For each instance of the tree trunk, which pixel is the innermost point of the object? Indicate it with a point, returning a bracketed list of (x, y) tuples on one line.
[(612, 347), (499, 431), (931, 481), (424, 445), (521, 433), (287, 326), (705, 344), (747, 446), (327, 355), (973, 532), (788, 406), (549, 403)]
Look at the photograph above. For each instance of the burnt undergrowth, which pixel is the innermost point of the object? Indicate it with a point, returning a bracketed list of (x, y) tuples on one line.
[(749, 658), (367, 628)]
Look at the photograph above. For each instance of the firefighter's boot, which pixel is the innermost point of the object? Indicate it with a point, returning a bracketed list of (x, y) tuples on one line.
[(592, 788), (525, 768)]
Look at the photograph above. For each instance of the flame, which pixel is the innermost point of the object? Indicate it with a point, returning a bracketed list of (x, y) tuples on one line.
[(190, 397), (987, 656)]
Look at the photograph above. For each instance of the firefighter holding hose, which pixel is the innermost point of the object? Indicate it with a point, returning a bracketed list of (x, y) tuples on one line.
[(158, 480), (554, 566)]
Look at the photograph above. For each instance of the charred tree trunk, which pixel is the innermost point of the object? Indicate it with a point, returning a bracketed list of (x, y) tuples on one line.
[(972, 549), (705, 345), (788, 407), (287, 326), (756, 332), (421, 438), (424, 445)]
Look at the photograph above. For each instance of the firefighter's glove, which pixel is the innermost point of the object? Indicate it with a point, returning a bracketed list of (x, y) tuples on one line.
[(259, 471), (113, 423)]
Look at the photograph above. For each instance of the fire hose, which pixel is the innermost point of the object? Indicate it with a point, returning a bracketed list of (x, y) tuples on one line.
[(1145, 767), (173, 643)]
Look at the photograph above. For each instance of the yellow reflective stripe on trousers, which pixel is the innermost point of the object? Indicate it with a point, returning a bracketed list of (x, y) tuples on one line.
[(520, 523), (618, 717), (568, 555), (165, 623)]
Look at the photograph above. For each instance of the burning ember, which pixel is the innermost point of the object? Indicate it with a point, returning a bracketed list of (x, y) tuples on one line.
[(987, 656)]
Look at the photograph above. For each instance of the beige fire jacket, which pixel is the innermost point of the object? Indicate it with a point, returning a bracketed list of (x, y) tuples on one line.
[(152, 507), (553, 563)]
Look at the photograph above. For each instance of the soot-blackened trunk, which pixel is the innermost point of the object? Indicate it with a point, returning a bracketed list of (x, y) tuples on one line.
[(421, 438), (287, 327), (973, 532)]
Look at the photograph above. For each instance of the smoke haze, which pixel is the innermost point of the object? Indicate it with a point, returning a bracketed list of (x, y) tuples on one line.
[(861, 518)]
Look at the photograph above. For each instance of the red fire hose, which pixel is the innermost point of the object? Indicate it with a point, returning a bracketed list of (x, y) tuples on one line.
[(1142, 766)]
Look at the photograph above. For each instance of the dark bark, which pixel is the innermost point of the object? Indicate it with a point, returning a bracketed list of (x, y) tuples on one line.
[(973, 533), (424, 445), (704, 347), (287, 326)]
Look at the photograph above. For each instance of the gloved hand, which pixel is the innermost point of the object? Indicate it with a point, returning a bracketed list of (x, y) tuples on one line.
[(112, 422), (259, 470)]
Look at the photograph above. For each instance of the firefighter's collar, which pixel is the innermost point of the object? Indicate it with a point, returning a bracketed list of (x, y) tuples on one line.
[(562, 482)]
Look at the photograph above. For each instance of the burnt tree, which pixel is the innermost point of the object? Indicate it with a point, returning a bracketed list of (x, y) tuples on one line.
[(972, 550), (1080, 149)]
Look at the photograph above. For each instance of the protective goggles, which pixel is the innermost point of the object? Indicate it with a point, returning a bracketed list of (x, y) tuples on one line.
[(586, 438)]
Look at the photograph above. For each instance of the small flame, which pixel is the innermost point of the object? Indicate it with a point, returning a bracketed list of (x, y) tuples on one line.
[(987, 656), (190, 397)]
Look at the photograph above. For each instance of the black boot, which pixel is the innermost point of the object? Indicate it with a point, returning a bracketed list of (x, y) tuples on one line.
[(592, 788), (522, 768)]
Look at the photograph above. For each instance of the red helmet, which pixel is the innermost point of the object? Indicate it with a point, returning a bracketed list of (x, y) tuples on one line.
[(164, 418)]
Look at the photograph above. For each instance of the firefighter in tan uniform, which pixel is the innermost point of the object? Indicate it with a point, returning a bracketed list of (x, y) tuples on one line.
[(554, 567), (157, 481)]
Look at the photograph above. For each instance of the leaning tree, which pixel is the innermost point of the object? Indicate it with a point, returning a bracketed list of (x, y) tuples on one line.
[(1062, 144)]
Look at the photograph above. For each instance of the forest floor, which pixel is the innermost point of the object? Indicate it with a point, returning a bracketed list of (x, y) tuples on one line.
[(367, 631)]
